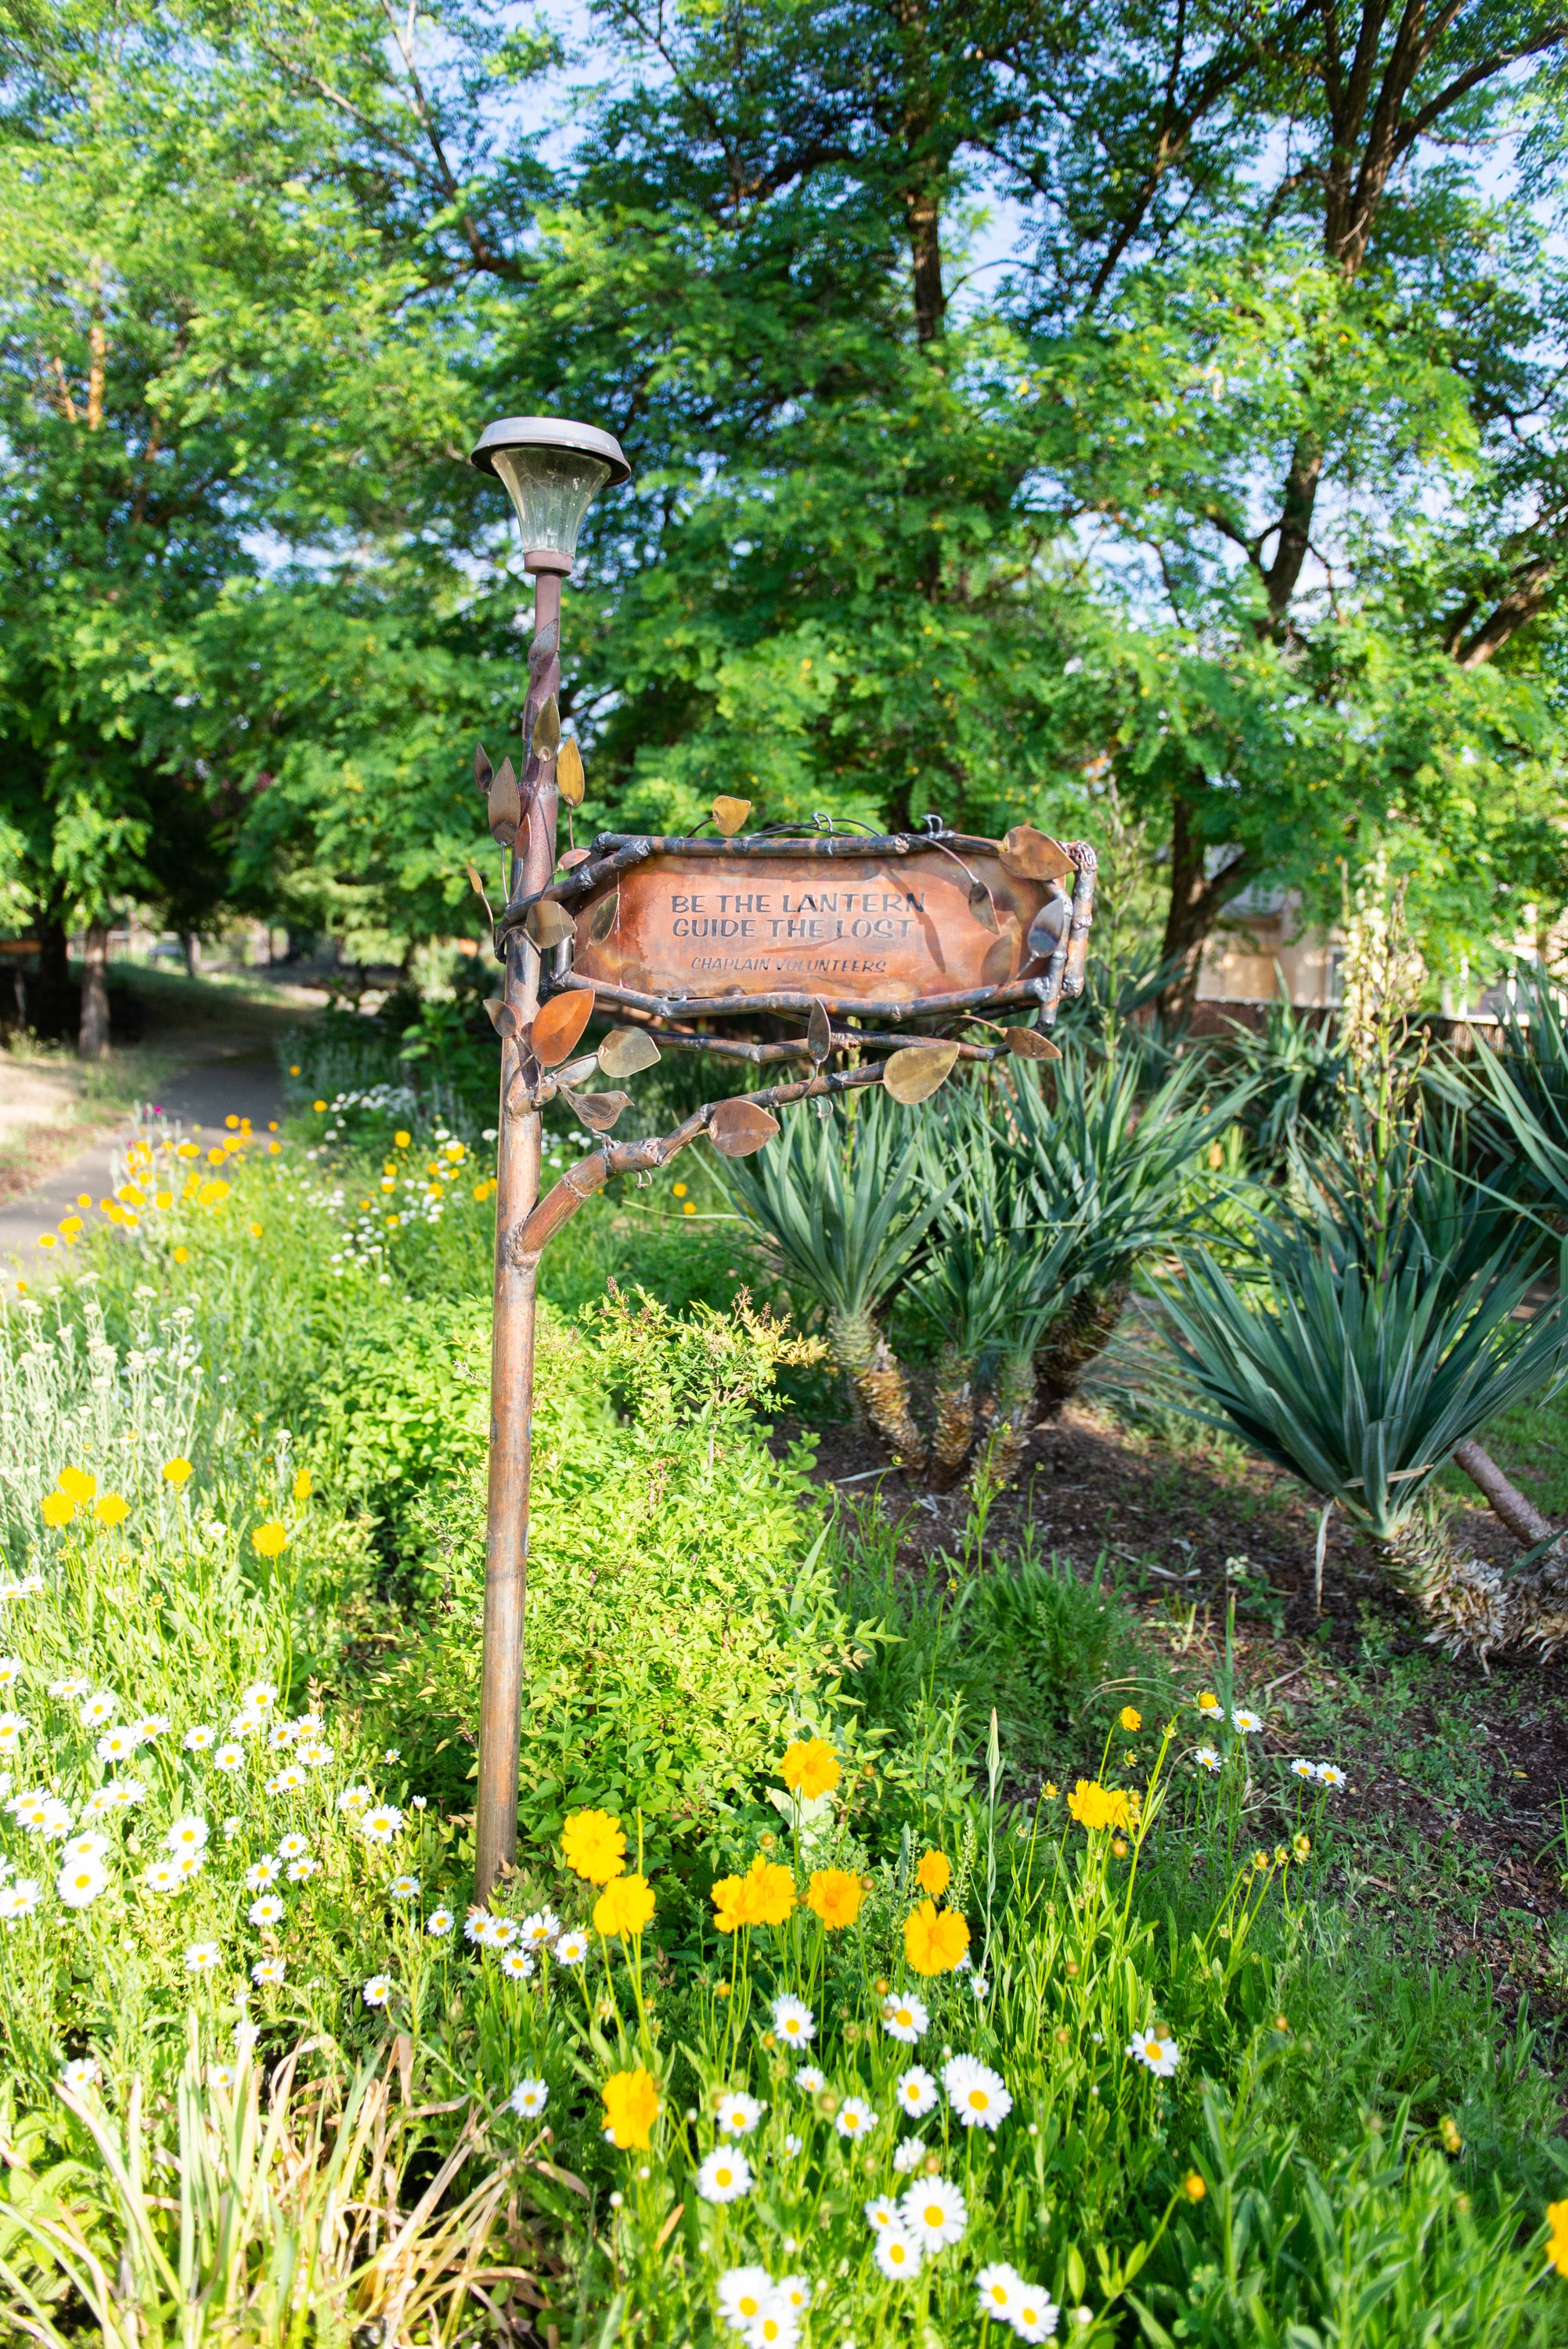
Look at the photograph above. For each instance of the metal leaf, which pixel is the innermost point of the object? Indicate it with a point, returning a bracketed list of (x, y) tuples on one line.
[(1028, 1044), (730, 814), (738, 1127), (982, 907), (914, 1074), (546, 734), (820, 1032), (600, 920), (483, 771), (559, 1023), (626, 1051), (544, 646), (569, 779), (597, 1111), (1031, 855), (505, 806), (1045, 929), (502, 1018), (574, 858), (475, 882), (548, 924)]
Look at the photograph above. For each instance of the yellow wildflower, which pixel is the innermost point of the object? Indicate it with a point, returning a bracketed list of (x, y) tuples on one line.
[(58, 1509), (302, 1486), (1192, 2186), (112, 1510), (1129, 1717), (592, 1846), (933, 1875), (177, 1472), (1094, 1806), (624, 1907), (811, 1767), (77, 1484), (1209, 1702), (935, 1939), (402, 1140), (835, 1896), (631, 2109), (764, 1895), (270, 1541)]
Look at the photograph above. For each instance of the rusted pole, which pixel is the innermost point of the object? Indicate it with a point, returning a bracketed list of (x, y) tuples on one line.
[(520, 1137)]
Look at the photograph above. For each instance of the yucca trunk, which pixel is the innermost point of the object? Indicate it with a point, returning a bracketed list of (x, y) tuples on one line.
[(955, 1429), (1013, 1409), (1081, 1331), (1471, 1607), (875, 1373)]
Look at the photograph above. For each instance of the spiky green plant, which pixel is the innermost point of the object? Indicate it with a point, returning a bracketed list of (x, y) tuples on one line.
[(1116, 1167), (1526, 1082), (847, 1203)]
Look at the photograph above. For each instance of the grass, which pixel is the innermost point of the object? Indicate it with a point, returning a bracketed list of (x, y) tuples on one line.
[(1354, 2140)]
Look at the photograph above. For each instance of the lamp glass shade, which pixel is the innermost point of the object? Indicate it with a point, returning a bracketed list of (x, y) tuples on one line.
[(551, 490)]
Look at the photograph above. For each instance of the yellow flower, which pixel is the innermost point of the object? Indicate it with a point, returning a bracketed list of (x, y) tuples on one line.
[(177, 1472), (592, 1846), (293, 1068), (1192, 2186), (631, 2109), (835, 1896), (1557, 2249), (677, 1190), (77, 1484), (268, 1540), (1129, 1717), (1301, 1846), (302, 1486), (256, 1231), (112, 1510), (1094, 1806), (933, 1875), (58, 1509), (318, 1106), (181, 1256), (1209, 1702), (1052, 1790), (811, 1767), (764, 1895), (402, 1140), (48, 1240), (624, 1907), (935, 1939)]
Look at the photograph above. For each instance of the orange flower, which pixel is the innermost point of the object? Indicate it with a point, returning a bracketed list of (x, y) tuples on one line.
[(58, 1510), (811, 1767), (764, 1895), (624, 1907), (1094, 1806), (631, 2109), (592, 1846), (935, 1939), (933, 1875), (835, 1896)]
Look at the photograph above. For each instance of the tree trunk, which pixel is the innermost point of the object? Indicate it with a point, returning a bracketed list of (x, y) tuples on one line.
[(1074, 1339), (1015, 1401), (53, 993), (1196, 904), (877, 1375), (191, 946), (92, 1037), (954, 1428)]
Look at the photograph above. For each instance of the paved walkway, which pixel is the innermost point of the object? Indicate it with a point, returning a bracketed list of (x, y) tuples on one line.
[(245, 1083)]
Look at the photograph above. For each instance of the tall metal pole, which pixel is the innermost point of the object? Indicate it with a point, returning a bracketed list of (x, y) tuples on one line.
[(520, 1134)]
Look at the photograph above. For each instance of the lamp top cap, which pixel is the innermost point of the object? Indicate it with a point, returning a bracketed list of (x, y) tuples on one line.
[(550, 432)]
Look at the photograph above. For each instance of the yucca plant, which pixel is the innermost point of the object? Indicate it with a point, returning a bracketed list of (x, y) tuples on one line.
[(1526, 1082), (1295, 1071), (1116, 1168), (847, 1203)]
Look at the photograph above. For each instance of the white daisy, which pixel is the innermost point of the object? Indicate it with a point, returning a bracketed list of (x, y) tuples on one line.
[(229, 1757), (201, 1957), (11, 1672), (1300, 1769), (794, 2022), (353, 1799), (909, 2156), (377, 1991), (81, 2075), (294, 1846), (187, 1834), (100, 1803), (439, 1923), (981, 1989), (266, 1911), (268, 1972), (572, 1948), (723, 2177), (1035, 2314), (1329, 1775), (1207, 1758), (263, 1872), (188, 1864), (792, 2145), (126, 1791), (978, 2095), (100, 1708), (855, 2117), (881, 2212), (810, 2079), (260, 1696), (84, 1846), (404, 1888), (1160, 2054), (997, 2288), (540, 1930), (281, 1735), (80, 1881), (11, 1727), (69, 1689), (904, 2018), (743, 2294), (151, 1725), (223, 2076), (18, 1899), (298, 1870), (288, 1780), (162, 1876), (529, 2098), (381, 1825), (197, 1739), (739, 2114), (778, 2327), (794, 2292), (897, 2253), (515, 1964), (916, 2091), (116, 1745), (313, 1753), (1248, 1723), (936, 2214)]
